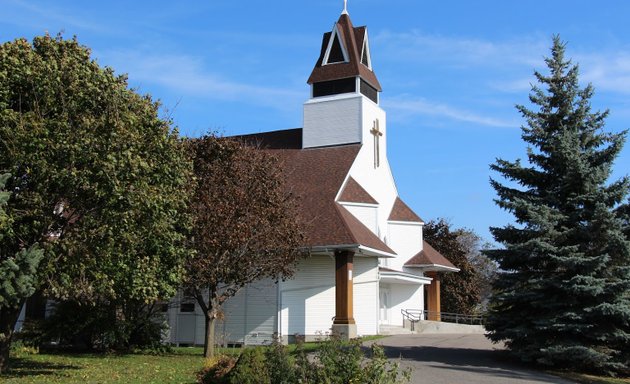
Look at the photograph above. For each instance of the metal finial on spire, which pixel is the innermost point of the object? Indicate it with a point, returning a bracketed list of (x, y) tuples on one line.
[(345, 7)]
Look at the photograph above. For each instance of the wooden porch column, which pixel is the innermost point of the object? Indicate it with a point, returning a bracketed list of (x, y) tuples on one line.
[(433, 298), (344, 324)]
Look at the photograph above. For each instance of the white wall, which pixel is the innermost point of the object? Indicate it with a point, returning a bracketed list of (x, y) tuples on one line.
[(403, 296), (308, 300), (368, 215), (332, 120), (249, 317), (406, 240), (365, 295)]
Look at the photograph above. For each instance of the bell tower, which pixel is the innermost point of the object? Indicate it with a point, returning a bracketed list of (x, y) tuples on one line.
[(344, 103)]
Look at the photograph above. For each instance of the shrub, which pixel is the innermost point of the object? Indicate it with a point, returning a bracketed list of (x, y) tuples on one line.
[(216, 369), (250, 368), (379, 370), (102, 327), (279, 365), (335, 362)]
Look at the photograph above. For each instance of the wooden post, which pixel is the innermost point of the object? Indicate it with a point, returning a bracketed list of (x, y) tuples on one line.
[(344, 324), (434, 297)]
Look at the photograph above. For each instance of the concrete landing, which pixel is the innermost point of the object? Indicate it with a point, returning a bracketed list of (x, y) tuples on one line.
[(394, 330), (437, 327)]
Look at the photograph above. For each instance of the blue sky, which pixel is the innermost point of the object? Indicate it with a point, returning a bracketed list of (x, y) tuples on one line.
[(451, 73)]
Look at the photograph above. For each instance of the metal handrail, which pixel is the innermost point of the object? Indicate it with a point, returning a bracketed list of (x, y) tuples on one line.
[(412, 315), (415, 315)]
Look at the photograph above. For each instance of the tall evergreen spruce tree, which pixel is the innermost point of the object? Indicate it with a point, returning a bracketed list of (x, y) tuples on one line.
[(563, 296)]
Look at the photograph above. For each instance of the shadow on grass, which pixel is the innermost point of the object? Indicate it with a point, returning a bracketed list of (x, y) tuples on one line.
[(22, 367)]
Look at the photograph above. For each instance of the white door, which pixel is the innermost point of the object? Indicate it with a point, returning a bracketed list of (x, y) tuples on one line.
[(384, 305)]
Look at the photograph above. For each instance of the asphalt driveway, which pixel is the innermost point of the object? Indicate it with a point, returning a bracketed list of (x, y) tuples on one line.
[(450, 359)]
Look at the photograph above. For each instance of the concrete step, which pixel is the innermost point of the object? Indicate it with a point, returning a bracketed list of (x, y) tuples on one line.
[(394, 330), (434, 327)]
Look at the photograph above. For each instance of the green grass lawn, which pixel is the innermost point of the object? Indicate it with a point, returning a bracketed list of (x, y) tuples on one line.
[(590, 379), (177, 367)]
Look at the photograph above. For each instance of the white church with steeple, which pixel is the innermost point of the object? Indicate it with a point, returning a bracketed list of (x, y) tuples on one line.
[(368, 260)]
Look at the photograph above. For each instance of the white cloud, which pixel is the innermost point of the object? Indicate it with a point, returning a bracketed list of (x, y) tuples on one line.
[(461, 51), (188, 76), (33, 16), (423, 107), (608, 71)]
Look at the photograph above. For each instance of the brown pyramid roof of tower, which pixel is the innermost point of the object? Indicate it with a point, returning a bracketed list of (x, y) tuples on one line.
[(352, 39)]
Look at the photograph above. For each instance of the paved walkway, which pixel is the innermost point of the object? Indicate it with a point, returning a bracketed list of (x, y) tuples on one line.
[(451, 359)]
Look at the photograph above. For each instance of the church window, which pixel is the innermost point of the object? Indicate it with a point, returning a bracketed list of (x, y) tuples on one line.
[(369, 91), (365, 55), (336, 54), (187, 307), (334, 87)]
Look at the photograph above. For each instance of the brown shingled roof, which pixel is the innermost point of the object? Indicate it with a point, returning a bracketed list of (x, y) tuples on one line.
[(353, 192), (315, 175), (428, 256), (352, 39), (402, 212), (360, 233), (283, 139)]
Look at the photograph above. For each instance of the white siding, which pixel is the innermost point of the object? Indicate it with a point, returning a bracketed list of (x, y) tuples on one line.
[(232, 328), (249, 317), (332, 120), (403, 296), (365, 298), (365, 214), (308, 300), (405, 240)]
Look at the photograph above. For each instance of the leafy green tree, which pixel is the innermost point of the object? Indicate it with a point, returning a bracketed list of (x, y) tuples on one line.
[(18, 277), (563, 296), (98, 181), (461, 291), (245, 224)]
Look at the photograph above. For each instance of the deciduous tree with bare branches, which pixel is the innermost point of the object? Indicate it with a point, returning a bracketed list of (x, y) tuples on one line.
[(245, 224)]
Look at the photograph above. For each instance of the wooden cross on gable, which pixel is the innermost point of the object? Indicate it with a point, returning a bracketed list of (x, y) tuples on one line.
[(376, 131)]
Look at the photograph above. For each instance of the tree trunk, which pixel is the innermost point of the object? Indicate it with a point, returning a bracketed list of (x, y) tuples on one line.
[(8, 318), (208, 350), (211, 311)]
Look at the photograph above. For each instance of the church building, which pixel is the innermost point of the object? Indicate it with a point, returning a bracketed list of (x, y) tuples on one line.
[(368, 259)]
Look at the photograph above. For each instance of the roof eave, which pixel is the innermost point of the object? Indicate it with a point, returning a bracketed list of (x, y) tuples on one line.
[(402, 277), (358, 249), (433, 267)]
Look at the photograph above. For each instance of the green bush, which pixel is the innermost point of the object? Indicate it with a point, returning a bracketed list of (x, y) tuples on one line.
[(101, 327), (216, 369), (340, 362), (335, 362), (280, 367), (251, 368)]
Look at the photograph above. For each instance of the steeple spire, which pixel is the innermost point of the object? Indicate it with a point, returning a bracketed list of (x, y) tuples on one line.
[(345, 7)]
